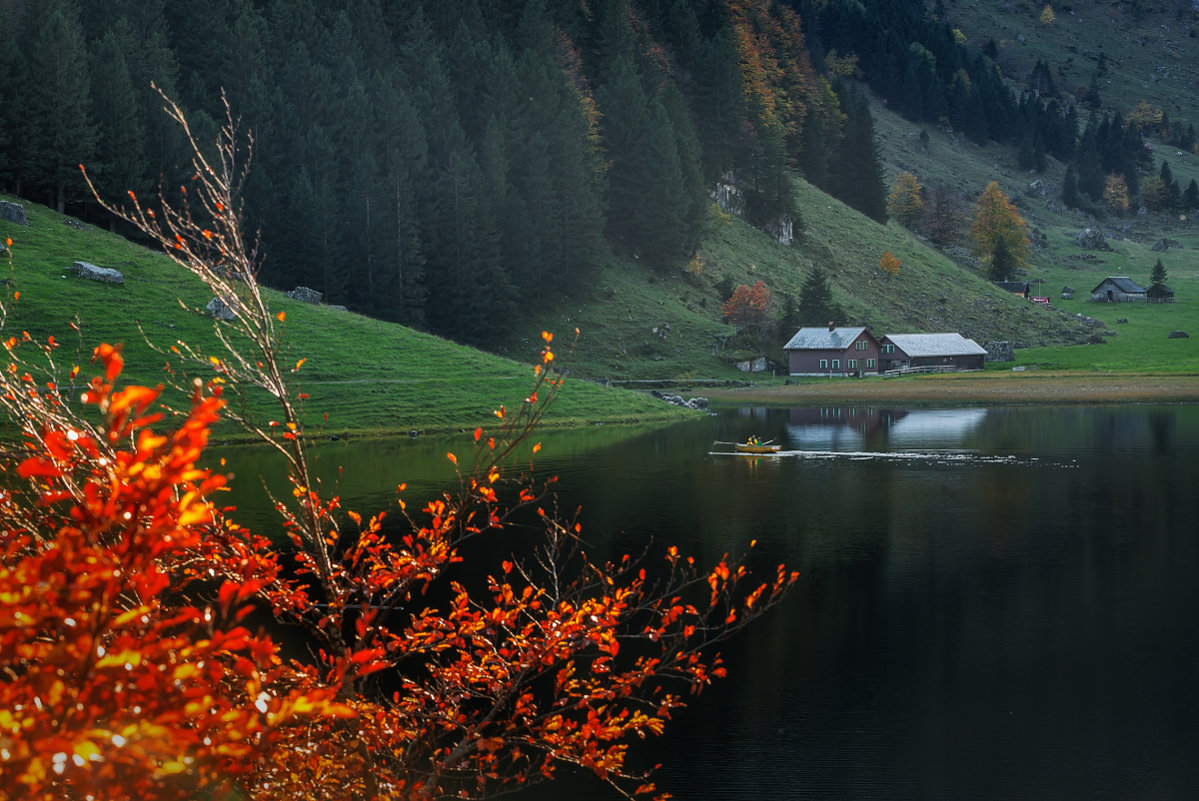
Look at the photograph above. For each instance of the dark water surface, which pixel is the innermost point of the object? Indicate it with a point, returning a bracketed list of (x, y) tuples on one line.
[(993, 603)]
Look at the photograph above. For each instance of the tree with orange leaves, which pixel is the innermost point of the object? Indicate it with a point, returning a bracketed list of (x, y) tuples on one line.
[(750, 306), (130, 669)]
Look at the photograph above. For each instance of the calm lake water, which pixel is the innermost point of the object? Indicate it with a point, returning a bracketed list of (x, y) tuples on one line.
[(993, 603)]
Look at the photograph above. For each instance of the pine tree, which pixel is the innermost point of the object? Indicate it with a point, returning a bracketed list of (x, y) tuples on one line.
[(1003, 263), (63, 135), (1171, 186), (14, 115), (1190, 197), (816, 304), (1070, 188), (1159, 275), (120, 158), (858, 171)]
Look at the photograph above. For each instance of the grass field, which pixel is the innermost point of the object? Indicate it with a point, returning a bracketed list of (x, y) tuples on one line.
[(367, 376)]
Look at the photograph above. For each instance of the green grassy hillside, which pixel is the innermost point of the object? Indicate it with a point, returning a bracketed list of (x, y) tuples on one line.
[(367, 376)]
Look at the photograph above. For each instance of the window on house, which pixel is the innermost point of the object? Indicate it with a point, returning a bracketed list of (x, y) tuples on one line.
[(888, 348), (824, 364), (836, 364), (860, 344), (869, 363), (853, 364)]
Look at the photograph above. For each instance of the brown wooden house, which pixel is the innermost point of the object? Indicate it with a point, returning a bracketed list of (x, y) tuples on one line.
[(832, 351)]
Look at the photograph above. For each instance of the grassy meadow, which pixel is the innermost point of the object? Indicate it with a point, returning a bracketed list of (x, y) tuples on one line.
[(367, 376)]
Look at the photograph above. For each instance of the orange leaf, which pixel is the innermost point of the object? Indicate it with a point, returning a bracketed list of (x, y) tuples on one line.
[(452, 457), (281, 316)]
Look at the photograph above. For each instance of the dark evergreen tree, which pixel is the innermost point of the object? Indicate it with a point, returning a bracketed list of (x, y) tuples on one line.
[(120, 163), (720, 94), (14, 114), (1171, 186), (858, 173), (1070, 188), (1003, 262), (1190, 197), (62, 134), (1159, 274), (647, 192), (816, 304)]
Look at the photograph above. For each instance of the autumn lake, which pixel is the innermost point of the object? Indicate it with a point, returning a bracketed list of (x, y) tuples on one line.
[(993, 603)]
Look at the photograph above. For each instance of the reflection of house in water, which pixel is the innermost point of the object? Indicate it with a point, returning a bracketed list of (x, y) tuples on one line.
[(837, 429), (852, 429), (935, 428)]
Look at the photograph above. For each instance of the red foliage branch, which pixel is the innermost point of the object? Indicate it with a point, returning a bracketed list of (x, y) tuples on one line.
[(129, 668)]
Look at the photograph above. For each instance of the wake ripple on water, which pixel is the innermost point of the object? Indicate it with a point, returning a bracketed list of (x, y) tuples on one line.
[(933, 457)]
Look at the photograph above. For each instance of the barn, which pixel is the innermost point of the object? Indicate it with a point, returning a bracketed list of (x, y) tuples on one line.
[(930, 351), (1118, 289)]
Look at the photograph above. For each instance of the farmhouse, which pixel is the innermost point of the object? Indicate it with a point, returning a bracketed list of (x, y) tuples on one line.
[(943, 351), (1118, 289), (832, 351)]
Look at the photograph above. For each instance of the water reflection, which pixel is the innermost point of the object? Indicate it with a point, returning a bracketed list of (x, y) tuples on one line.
[(982, 625)]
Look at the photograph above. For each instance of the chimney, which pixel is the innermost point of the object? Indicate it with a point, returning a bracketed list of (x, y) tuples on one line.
[(831, 326)]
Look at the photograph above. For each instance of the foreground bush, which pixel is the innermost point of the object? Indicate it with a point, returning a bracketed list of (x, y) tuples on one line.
[(131, 667)]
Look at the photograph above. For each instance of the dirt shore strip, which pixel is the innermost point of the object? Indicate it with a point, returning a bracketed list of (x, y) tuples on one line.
[(975, 388)]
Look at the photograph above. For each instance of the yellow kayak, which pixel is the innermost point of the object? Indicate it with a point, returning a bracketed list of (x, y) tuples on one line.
[(745, 447)]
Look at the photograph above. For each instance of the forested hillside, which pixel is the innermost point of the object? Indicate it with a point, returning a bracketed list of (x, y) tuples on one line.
[(446, 164)]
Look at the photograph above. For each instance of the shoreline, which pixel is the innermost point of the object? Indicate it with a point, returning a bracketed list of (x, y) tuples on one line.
[(955, 389)]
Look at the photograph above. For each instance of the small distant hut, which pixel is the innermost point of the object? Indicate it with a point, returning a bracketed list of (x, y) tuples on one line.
[(1015, 287), (1159, 293), (1118, 289)]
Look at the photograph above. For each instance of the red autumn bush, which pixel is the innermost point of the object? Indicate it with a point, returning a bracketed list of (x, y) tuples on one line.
[(130, 665)]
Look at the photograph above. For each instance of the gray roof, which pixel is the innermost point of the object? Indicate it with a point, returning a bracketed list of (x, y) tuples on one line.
[(823, 338), (1123, 284), (917, 345)]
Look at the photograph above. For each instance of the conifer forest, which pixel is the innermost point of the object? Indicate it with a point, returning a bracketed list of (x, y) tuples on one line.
[(440, 164)]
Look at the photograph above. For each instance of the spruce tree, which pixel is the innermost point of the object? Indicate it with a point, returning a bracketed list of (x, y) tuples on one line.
[(1003, 262), (1190, 197), (1171, 186), (14, 115), (858, 171), (816, 304), (1070, 188), (1159, 273), (120, 158), (63, 135)]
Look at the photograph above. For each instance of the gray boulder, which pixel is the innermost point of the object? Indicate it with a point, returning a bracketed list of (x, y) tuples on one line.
[(1179, 335), (13, 212), (305, 295), (91, 272), (1091, 239), (220, 310)]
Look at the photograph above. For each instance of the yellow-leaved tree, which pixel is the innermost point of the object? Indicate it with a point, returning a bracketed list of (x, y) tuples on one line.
[(995, 220), (906, 201)]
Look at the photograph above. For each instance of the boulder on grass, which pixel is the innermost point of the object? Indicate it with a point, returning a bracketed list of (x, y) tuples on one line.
[(1179, 335), (13, 212), (91, 272), (220, 310), (305, 295), (1091, 239)]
